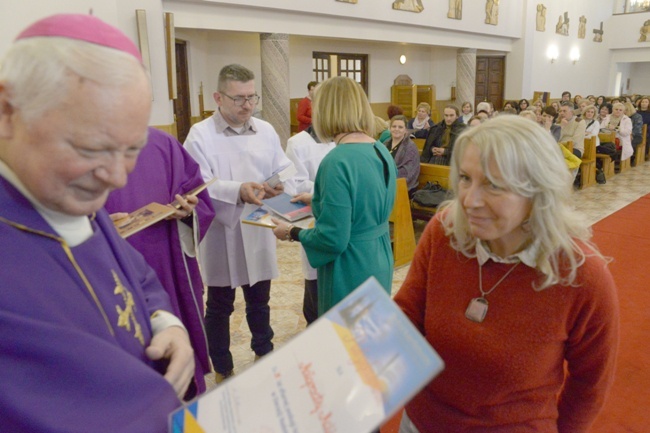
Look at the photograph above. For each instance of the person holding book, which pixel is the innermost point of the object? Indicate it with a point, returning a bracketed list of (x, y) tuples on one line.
[(163, 174), (353, 197), (508, 289), (87, 338), (306, 151), (242, 152)]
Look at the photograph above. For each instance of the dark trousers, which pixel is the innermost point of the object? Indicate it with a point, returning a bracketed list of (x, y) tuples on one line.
[(310, 301), (220, 306)]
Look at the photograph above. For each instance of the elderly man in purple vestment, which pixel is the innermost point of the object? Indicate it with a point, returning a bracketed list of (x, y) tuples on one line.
[(88, 342), (164, 172)]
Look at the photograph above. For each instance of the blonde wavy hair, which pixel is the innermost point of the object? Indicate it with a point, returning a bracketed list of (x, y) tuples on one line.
[(531, 165)]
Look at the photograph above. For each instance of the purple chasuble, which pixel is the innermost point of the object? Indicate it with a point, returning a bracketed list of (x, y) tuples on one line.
[(74, 325), (163, 170)]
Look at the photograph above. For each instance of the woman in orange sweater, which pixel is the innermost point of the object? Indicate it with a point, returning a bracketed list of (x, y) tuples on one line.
[(508, 289)]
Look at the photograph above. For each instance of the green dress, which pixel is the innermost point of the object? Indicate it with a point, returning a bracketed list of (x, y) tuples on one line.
[(353, 197)]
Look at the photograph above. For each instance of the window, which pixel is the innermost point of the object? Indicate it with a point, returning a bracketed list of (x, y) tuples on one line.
[(327, 65), (632, 6)]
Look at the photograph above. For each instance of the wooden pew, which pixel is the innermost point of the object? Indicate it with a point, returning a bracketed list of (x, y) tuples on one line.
[(403, 236), (419, 142), (429, 173), (588, 166), (608, 163), (639, 157)]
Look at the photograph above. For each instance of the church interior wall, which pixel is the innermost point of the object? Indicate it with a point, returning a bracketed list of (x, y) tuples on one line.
[(428, 39), (640, 78)]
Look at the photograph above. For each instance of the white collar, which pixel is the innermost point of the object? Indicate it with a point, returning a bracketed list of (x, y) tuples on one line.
[(73, 229), (527, 256)]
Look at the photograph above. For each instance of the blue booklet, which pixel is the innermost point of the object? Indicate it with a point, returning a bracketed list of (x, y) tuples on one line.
[(349, 371), (281, 205)]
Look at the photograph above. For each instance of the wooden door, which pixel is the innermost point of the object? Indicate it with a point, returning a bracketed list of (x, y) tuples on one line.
[(490, 78), (182, 109)]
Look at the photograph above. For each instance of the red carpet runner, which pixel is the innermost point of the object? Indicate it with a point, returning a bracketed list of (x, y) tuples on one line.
[(624, 236)]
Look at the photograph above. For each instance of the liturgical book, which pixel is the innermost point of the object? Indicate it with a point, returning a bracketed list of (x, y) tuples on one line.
[(152, 213)]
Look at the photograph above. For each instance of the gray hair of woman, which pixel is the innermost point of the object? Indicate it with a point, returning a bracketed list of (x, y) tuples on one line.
[(38, 71), (531, 165)]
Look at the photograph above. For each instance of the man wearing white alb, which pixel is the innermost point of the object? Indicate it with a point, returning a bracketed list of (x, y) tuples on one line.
[(306, 152), (241, 152)]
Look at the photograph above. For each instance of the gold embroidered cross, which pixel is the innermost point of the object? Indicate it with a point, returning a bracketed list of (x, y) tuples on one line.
[(127, 315)]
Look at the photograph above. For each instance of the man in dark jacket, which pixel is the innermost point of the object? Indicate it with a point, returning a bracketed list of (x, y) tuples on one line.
[(440, 141)]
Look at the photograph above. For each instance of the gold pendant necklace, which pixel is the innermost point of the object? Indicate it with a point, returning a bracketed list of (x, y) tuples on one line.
[(478, 307)]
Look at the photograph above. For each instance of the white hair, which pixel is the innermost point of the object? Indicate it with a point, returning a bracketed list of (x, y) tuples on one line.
[(484, 105), (531, 165), (37, 71)]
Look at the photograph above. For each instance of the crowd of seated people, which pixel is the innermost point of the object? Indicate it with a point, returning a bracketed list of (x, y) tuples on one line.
[(467, 112), (422, 122)]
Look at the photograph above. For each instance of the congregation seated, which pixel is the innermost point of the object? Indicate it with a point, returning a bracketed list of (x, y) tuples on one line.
[(604, 111), (421, 123), (573, 128), (600, 101), (509, 105), (381, 129), (548, 122), (637, 126), (485, 106), (572, 161), (404, 152), (523, 105), (475, 121), (439, 144), (643, 108), (593, 125), (556, 106), (622, 124), (467, 112)]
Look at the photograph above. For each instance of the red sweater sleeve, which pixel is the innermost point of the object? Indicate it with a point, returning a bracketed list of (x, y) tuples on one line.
[(590, 350), (303, 114)]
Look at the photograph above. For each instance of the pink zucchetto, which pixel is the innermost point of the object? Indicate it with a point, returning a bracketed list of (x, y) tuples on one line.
[(83, 28)]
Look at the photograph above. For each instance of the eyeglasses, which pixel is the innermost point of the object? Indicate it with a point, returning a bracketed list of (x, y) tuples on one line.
[(240, 100)]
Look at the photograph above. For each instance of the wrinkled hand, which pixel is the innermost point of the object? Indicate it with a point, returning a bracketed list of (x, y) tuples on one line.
[(280, 230), (437, 151), (184, 206), (173, 343), (251, 192), (118, 216), (272, 192), (303, 197)]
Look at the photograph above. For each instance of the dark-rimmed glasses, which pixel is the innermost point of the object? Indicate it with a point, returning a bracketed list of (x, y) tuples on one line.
[(240, 100)]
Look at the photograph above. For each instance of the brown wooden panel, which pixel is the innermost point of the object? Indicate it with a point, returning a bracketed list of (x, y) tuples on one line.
[(490, 74), (182, 110)]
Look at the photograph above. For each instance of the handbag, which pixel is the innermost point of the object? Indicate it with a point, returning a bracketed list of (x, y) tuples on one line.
[(431, 195)]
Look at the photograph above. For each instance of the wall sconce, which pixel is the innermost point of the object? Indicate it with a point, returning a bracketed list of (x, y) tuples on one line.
[(552, 53), (574, 55), (402, 59)]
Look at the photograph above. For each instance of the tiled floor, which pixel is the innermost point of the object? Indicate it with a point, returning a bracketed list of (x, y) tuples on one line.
[(595, 202)]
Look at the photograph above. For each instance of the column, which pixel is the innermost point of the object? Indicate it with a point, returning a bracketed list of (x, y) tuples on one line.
[(465, 76), (274, 49)]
